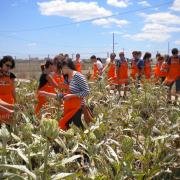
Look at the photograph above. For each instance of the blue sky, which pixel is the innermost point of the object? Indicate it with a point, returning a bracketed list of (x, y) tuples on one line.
[(42, 27)]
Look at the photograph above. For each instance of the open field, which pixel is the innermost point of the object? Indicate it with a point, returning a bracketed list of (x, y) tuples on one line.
[(133, 138)]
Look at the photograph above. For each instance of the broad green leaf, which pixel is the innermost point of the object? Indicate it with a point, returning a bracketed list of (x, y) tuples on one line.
[(20, 168), (61, 175), (71, 159)]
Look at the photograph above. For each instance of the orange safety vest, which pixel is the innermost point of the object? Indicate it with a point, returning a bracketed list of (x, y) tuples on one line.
[(60, 81), (6, 94), (111, 71), (135, 69), (122, 74), (147, 69), (95, 72), (78, 67), (42, 100), (173, 72), (71, 107), (164, 69)]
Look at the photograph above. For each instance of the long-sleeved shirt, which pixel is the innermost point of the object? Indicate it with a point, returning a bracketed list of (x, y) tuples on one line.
[(79, 86)]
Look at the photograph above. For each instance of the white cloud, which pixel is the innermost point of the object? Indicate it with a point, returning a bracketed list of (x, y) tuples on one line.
[(158, 27), (144, 3), (162, 17), (148, 36), (78, 11), (118, 3), (32, 44), (110, 21), (176, 5), (177, 42)]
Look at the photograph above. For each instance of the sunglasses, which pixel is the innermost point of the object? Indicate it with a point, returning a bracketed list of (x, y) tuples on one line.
[(8, 65)]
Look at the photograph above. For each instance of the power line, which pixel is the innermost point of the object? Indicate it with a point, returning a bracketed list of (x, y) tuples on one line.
[(85, 21)]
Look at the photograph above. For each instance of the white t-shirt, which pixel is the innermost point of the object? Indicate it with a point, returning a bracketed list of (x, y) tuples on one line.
[(99, 65)]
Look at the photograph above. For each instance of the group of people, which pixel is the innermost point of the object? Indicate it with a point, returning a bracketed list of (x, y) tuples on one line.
[(119, 71), (62, 79)]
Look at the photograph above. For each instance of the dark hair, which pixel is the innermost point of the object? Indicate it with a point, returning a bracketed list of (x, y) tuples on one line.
[(174, 51), (48, 63), (93, 57), (139, 52), (99, 59), (134, 52), (158, 55), (113, 54), (68, 62), (6, 59), (78, 55), (58, 58), (66, 55), (147, 55)]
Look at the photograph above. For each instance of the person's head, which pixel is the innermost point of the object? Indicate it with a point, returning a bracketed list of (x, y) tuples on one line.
[(7, 63), (66, 66), (160, 59), (112, 56), (77, 56), (66, 56), (174, 52), (48, 66), (147, 56), (134, 54), (56, 60), (121, 55), (139, 54), (158, 55), (93, 58)]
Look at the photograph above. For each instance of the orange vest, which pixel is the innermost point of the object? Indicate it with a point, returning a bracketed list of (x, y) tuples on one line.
[(174, 69), (164, 69), (6, 94), (71, 107), (122, 74), (60, 81), (134, 70), (95, 72), (78, 67), (42, 100), (147, 69), (111, 72)]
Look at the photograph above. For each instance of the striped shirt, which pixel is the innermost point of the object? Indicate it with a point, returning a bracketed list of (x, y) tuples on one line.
[(79, 86)]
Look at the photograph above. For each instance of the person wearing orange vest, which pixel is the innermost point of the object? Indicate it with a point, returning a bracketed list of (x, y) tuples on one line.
[(173, 75), (147, 65), (46, 83), (137, 66), (122, 72), (78, 63), (159, 74), (74, 100), (97, 68), (111, 72), (164, 68), (7, 89)]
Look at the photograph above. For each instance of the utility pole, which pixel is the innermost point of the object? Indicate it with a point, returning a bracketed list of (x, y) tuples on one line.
[(72, 56), (113, 42)]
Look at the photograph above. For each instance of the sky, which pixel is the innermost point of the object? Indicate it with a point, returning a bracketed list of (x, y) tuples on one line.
[(47, 27)]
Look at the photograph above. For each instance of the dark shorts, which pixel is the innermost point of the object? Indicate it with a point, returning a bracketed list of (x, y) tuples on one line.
[(178, 85), (76, 119)]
